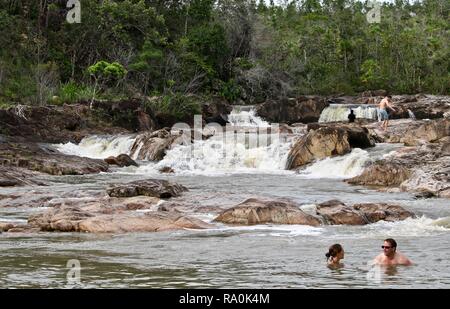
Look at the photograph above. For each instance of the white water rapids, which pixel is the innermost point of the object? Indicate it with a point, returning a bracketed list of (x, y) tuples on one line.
[(252, 148)]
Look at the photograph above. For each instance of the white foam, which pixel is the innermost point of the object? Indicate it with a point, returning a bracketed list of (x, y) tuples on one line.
[(99, 147), (347, 166)]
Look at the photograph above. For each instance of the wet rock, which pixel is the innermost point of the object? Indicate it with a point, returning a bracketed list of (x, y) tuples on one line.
[(255, 211), (4, 227), (13, 176), (166, 170), (375, 212), (36, 157), (337, 213), (318, 144), (382, 174), (153, 146), (149, 187), (358, 136), (72, 219), (418, 169), (304, 109), (122, 160)]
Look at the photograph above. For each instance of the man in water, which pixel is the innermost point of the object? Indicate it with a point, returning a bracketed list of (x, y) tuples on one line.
[(390, 256), (383, 114), (351, 117)]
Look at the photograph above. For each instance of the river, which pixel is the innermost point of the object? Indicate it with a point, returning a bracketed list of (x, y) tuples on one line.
[(265, 256)]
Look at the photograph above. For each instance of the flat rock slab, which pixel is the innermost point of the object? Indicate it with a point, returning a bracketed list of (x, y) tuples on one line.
[(149, 187)]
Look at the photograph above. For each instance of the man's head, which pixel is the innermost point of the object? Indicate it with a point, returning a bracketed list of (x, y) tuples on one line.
[(389, 247), (389, 97)]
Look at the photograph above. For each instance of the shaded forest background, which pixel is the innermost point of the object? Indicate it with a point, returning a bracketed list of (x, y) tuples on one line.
[(243, 51)]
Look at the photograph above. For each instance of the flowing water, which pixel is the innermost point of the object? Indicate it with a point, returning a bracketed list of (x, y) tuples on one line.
[(265, 256)]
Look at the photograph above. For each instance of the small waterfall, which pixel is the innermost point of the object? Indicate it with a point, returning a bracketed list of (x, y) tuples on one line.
[(240, 152), (411, 115), (340, 112), (245, 116), (99, 147), (347, 166), (251, 145)]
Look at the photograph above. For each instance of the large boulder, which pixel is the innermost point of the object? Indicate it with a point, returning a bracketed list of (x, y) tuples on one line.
[(375, 212), (153, 146), (304, 109), (358, 136), (73, 219), (39, 158), (149, 187), (423, 170), (383, 174), (337, 213), (255, 211), (318, 144), (122, 160), (430, 131)]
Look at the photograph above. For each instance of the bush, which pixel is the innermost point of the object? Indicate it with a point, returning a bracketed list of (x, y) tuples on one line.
[(72, 92), (176, 105)]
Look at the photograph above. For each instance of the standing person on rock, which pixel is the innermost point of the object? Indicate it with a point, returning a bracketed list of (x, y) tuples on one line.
[(382, 111)]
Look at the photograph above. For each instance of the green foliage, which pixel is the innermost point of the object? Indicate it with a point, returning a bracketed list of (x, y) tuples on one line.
[(177, 105), (238, 49), (230, 91), (72, 92)]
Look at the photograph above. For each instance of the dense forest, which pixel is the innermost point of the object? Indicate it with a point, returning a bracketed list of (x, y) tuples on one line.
[(242, 50)]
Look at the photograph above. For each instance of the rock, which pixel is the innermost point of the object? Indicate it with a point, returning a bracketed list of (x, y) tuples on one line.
[(337, 213), (5, 227), (430, 131), (36, 157), (318, 144), (358, 136), (216, 107), (303, 109), (153, 146), (149, 187), (146, 123), (383, 212), (54, 124), (423, 107), (219, 119), (13, 176), (255, 211), (418, 169), (166, 170), (72, 219), (382, 174), (122, 160)]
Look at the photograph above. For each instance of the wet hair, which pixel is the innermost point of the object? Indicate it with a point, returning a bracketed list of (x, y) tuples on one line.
[(333, 251), (392, 242), (389, 96)]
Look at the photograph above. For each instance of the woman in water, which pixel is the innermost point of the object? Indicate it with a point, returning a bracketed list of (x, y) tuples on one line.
[(335, 255)]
